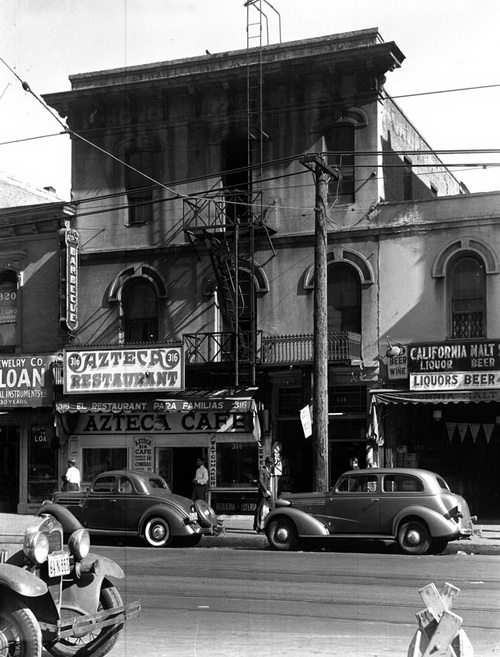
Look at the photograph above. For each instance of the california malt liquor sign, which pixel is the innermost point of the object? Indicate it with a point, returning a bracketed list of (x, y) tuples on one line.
[(470, 365), (141, 369)]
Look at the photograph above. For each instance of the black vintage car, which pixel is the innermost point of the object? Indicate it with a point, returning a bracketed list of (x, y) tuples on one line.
[(130, 503), (55, 597)]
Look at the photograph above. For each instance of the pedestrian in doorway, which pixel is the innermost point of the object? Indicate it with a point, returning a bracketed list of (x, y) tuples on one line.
[(353, 462), (72, 478), (200, 481), (265, 501)]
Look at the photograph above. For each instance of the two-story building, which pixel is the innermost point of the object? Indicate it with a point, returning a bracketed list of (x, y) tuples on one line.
[(196, 212), (33, 228)]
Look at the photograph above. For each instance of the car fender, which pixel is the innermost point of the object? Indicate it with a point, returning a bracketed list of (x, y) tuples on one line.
[(306, 524), (177, 523), (439, 526), (21, 581), (67, 519)]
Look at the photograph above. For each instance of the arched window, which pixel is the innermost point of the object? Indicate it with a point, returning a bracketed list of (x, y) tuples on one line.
[(140, 311), (343, 298), (8, 310), (467, 287), (339, 142), (139, 189)]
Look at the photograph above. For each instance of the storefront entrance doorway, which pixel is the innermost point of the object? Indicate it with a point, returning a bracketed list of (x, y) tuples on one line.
[(9, 468), (177, 465)]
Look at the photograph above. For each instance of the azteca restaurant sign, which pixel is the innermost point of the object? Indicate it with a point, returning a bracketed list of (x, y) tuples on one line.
[(123, 370)]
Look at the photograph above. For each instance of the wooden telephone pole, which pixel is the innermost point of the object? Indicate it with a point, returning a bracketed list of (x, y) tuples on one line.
[(322, 174)]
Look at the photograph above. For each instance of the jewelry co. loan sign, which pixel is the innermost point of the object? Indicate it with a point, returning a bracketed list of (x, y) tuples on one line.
[(454, 365), (123, 370), (26, 380)]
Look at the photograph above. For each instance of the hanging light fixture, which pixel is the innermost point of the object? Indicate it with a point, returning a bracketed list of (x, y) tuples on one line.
[(394, 349)]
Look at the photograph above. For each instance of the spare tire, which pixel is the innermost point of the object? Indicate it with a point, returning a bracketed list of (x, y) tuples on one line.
[(206, 515)]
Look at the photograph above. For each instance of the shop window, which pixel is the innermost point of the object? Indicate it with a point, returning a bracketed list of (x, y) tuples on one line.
[(42, 464), (139, 188), (467, 289), (237, 464), (290, 401), (339, 142), (140, 311), (102, 459), (9, 468), (8, 311), (343, 298)]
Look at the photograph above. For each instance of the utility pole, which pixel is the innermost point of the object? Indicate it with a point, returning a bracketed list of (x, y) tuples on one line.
[(322, 174)]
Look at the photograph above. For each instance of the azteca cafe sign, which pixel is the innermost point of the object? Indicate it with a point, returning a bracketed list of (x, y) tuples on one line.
[(123, 370)]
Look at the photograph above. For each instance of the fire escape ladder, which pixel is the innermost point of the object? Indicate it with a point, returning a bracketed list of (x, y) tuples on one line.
[(225, 274)]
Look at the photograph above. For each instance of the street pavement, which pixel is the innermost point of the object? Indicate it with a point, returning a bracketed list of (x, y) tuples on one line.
[(240, 535)]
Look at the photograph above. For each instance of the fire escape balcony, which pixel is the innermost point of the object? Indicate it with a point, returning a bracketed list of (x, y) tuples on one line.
[(213, 348)]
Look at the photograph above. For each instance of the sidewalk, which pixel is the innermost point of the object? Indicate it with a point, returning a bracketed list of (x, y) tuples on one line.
[(239, 534)]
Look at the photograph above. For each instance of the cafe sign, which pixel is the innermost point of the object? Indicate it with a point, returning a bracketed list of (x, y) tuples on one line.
[(471, 365), (141, 369)]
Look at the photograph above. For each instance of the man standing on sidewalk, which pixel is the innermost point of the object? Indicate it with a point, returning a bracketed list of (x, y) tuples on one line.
[(265, 500), (200, 481)]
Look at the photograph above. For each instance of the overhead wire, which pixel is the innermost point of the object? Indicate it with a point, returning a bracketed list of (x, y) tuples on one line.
[(176, 195)]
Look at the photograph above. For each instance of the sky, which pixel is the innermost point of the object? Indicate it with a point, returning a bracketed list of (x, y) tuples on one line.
[(448, 44)]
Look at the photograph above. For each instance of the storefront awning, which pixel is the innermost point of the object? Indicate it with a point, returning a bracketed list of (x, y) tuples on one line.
[(449, 397), (239, 400)]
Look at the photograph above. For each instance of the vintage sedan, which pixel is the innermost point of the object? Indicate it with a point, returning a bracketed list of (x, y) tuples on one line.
[(130, 503), (413, 507)]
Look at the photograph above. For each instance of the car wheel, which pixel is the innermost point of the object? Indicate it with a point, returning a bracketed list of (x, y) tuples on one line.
[(282, 534), (20, 633), (437, 547), (206, 515), (157, 532), (414, 536), (95, 643)]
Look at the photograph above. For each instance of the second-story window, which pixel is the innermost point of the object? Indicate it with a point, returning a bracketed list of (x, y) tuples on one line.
[(339, 141), (8, 310), (467, 289), (140, 311), (407, 180), (139, 188), (343, 298)]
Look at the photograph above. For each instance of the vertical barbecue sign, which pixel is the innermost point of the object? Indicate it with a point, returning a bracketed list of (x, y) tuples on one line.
[(69, 241)]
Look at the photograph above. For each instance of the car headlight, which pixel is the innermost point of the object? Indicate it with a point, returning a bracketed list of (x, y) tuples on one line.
[(36, 547), (79, 544)]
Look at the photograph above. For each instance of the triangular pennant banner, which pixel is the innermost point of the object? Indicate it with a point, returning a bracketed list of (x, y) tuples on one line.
[(474, 429), (462, 430), (488, 430), (450, 427)]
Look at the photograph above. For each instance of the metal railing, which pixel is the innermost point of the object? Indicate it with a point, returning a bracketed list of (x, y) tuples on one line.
[(342, 346), (205, 348)]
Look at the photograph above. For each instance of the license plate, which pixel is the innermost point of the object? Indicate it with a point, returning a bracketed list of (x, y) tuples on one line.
[(58, 565)]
